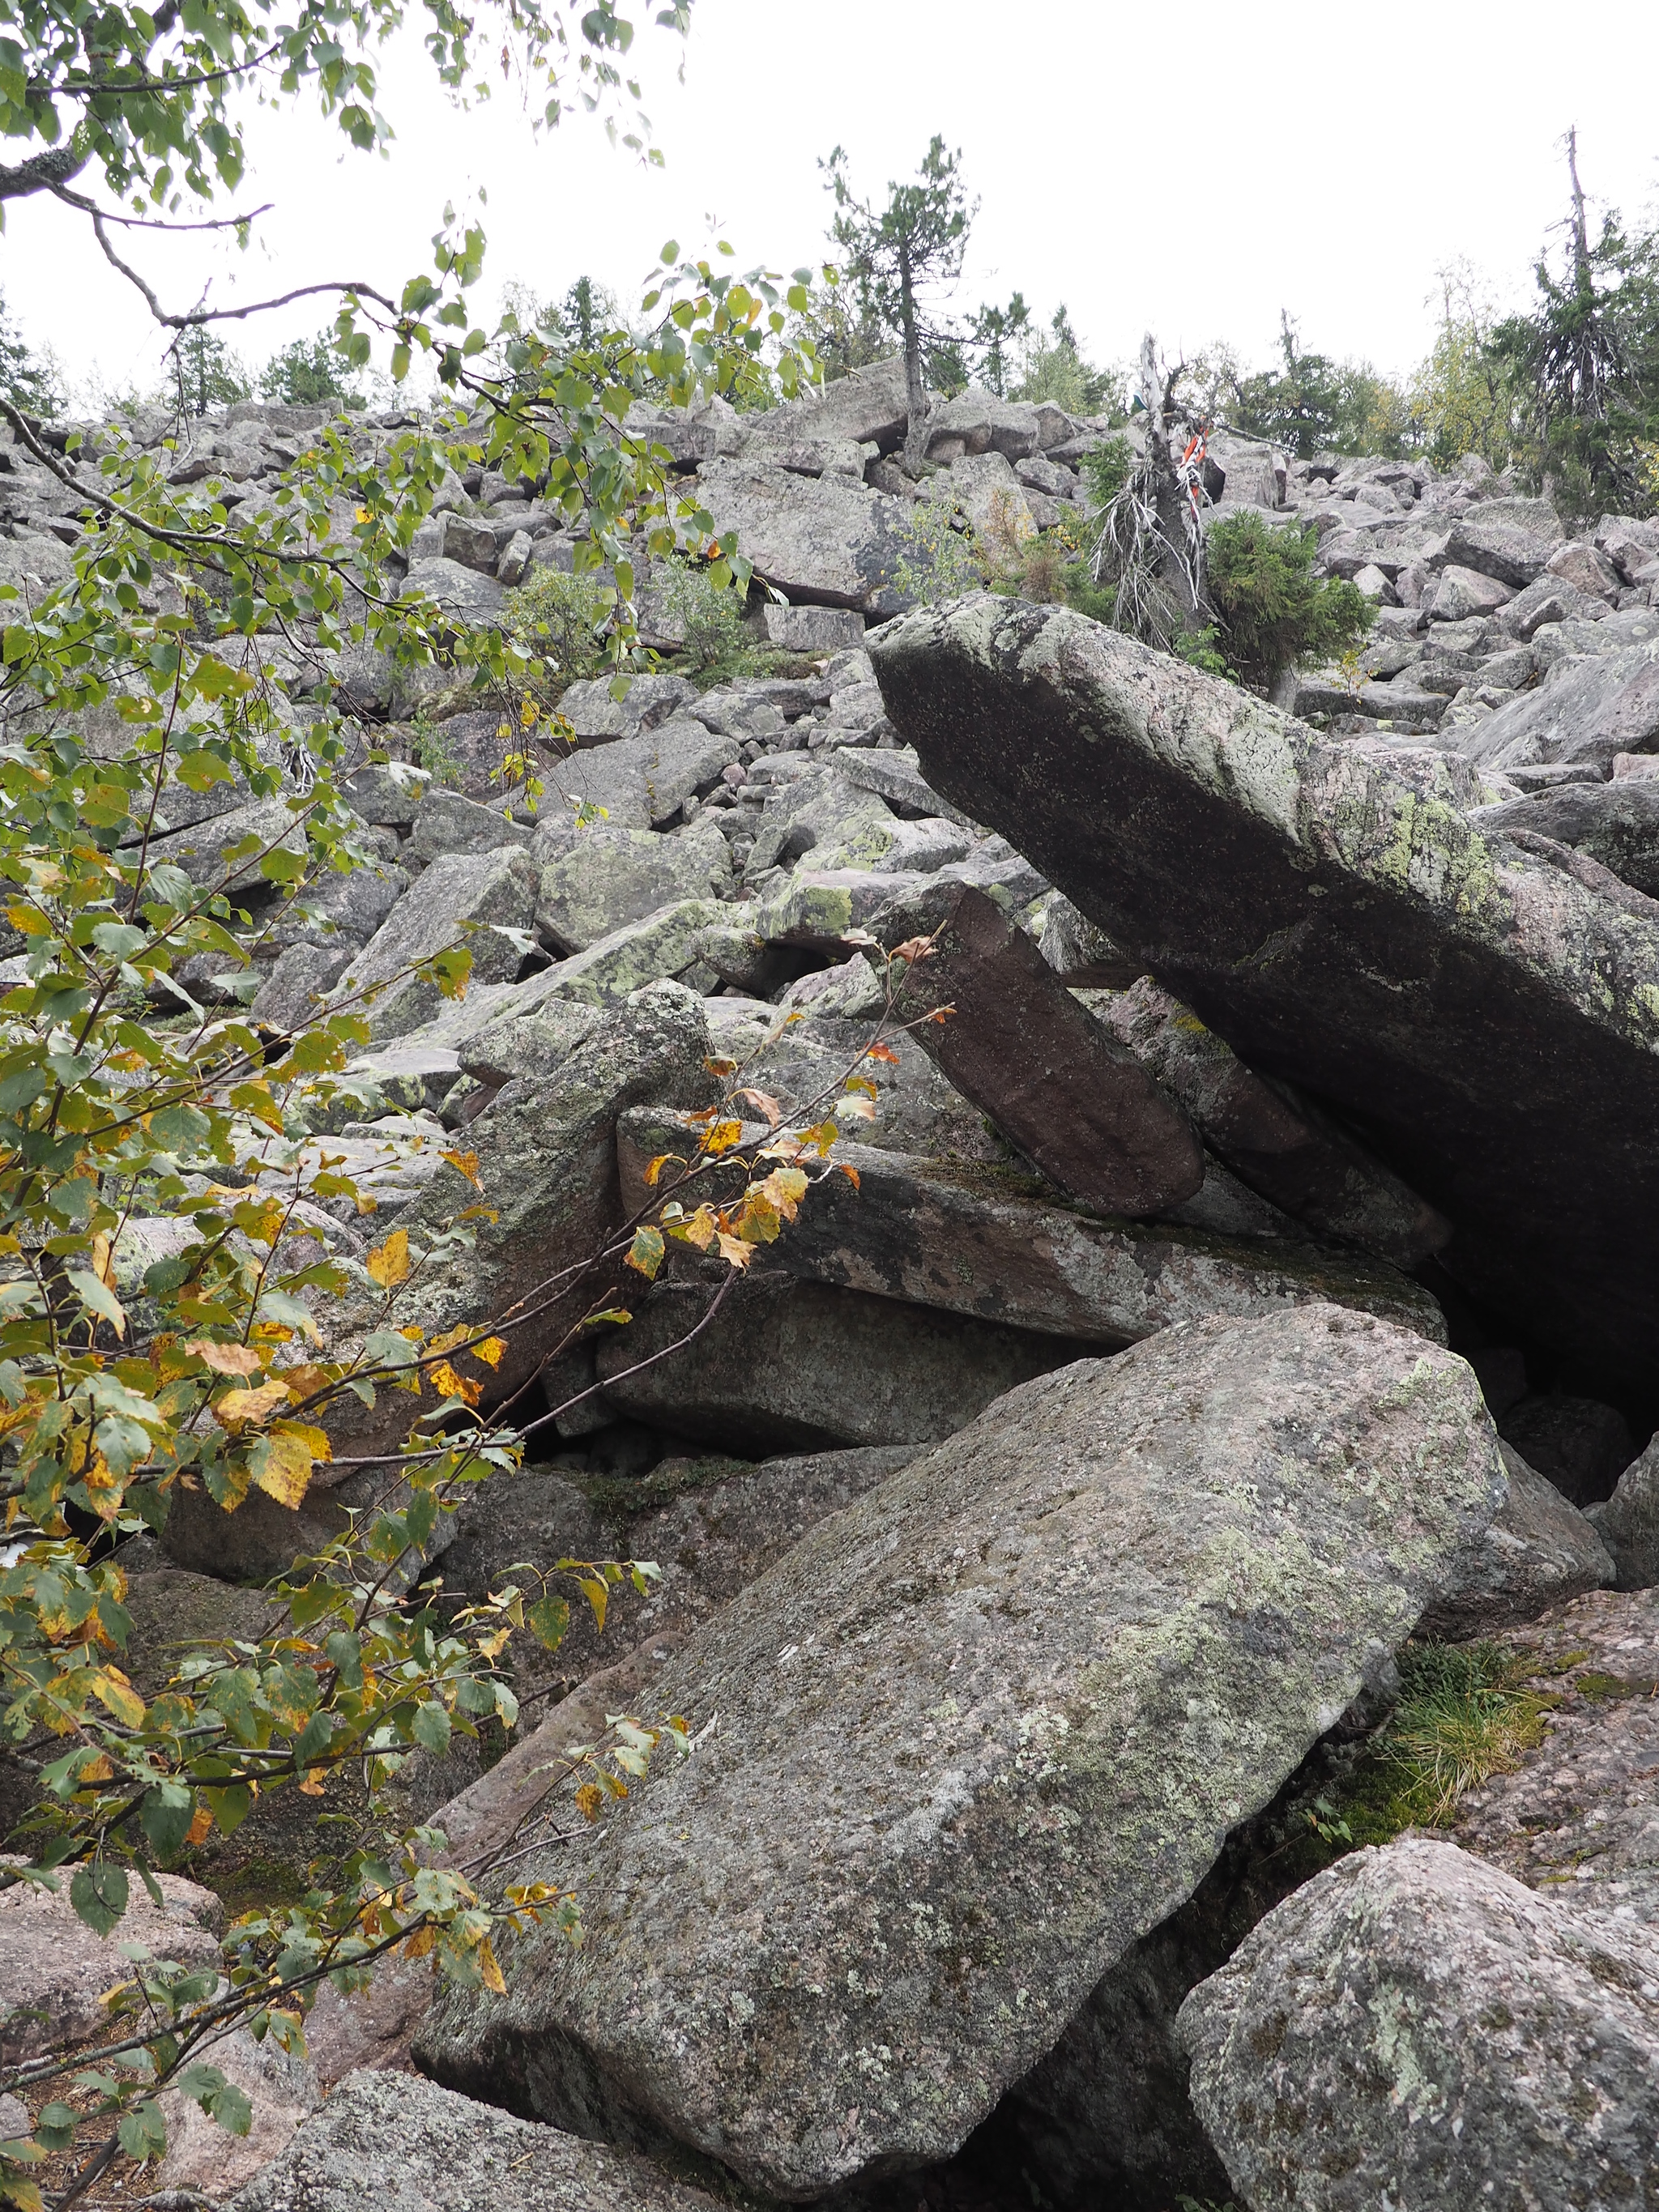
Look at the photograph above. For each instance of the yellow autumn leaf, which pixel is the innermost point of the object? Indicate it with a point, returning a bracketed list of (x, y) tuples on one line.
[(760, 1221), (389, 1263), (117, 1695), (645, 1253), (735, 1251), (449, 1384), (488, 1972), (785, 1188), (492, 1350), (416, 1945), (700, 1228), (103, 1260), (281, 1464), (225, 1358), (201, 1825), (590, 1800), (464, 1163), (240, 1409), (721, 1137)]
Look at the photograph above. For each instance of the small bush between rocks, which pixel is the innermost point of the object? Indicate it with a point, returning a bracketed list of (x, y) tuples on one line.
[(560, 619), (1275, 612), (716, 646)]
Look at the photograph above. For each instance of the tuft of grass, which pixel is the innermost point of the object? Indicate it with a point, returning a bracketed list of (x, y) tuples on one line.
[(1465, 1714)]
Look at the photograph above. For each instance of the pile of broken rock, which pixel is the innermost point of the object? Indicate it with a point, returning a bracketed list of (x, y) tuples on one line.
[(1252, 1272)]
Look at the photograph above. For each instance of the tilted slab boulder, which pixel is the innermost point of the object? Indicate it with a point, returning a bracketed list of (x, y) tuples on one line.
[(976, 1734), (399, 2144), (986, 1241), (1014, 1040), (1604, 704), (1417, 2030), (1274, 1141), (1616, 824), (1488, 1019)]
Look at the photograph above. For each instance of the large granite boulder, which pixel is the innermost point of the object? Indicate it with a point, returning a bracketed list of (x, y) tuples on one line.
[(1488, 1018), (1075, 1646), (1590, 709), (490, 891), (995, 1244), (398, 2144), (1616, 824), (827, 540), (1416, 2029)]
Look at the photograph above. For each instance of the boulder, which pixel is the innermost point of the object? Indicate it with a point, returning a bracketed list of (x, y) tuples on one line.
[(400, 2144), (1076, 1645), (1462, 593), (1277, 1142), (292, 992), (894, 777), (466, 595), (1591, 710), (201, 2155), (869, 405), (493, 890), (1511, 555), (990, 493), (644, 780), (666, 943), (607, 878), (597, 717), (201, 851), (1616, 824), (997, 1244), (1571, 1813), (1578, 1444), (798, 1365), (445, 822), (1587, 570), (1416, 2029), (1538, 1551), (1548, 599), (343, 910), (1628, 1523), (54, 1971), (810, 629), (1487, 1019), (1015, 1042), (826, 540), (711, 1526)]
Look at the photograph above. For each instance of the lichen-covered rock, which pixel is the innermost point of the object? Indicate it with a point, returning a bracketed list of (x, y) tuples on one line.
[(608, 878), (54, 1971), (448, 821), (1628, 1523), (486, 889), (1417, 2030), (1538, 1550), (1074, 1646), (827, 539), (390, 2142), (1489, 1019), (1575, 1815), (643, 780), (998, 1245), (1605, 704), (1616, 824), (664, 943)]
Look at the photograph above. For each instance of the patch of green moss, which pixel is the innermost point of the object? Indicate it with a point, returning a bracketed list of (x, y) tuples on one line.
[(626, 1497)]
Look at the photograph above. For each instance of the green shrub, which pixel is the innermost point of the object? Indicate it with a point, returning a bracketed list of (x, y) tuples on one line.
[(1106, 471), (716, 644), (561, 619), (1275, 612)]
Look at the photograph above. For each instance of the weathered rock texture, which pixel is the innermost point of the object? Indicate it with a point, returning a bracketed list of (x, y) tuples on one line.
[(1076, 1646), (1490, 1018), (397, 2144), (54, 1970), (1415, 2029)]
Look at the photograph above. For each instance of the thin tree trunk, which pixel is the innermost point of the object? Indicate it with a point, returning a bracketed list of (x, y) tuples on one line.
[(916, 392)]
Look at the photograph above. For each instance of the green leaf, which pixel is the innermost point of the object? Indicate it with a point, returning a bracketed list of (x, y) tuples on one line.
[(431, 1727), (549, 1621), (142, 2131), (99, 1893), (166, 1816)]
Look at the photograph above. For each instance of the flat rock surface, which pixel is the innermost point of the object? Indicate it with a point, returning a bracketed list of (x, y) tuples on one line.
[(1489, 1018), (1075, 1646), (53, 1969), (1416, 2029), (390, 2142), (1579, 1815)]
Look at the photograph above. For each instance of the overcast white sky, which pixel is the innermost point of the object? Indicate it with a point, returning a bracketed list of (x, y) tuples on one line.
[(1188, 170)]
